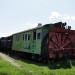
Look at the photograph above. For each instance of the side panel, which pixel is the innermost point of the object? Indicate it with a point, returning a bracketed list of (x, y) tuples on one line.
[(17, 42), (24, 42)]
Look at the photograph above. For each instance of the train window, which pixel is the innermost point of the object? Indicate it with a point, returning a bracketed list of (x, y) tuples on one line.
[(25, 36), (28, 36), (17, 37), (34, 35), (38, 35)]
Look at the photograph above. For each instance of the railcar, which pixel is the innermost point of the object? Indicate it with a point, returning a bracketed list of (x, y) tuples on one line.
[(51, 41), (5, 44)]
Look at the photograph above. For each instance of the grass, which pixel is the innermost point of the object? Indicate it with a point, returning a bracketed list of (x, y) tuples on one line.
[(39, 69), (33, 68)]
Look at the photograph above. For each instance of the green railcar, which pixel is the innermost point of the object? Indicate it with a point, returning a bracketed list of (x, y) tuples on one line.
[(33, 41), (30, 41)]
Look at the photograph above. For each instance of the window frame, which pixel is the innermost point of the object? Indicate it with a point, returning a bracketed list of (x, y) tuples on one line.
[(39, 35)]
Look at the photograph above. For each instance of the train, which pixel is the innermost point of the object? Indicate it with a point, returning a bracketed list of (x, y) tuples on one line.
[(45, 42)]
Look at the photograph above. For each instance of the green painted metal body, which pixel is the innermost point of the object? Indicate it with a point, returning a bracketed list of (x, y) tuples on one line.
[(32, 45)]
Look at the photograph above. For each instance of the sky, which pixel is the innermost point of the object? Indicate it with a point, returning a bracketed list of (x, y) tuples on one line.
[(19, 15)]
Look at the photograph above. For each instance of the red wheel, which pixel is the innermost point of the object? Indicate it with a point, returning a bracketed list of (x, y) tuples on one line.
[(60, 43)]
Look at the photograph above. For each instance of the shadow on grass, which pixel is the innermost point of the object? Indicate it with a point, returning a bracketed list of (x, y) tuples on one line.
[(3, 73), (52, 64)]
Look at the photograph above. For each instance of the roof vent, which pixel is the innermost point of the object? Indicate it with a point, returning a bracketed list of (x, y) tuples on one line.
[(39, 24)]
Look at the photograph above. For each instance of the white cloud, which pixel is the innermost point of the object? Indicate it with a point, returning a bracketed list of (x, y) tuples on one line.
[(54, 15), (63, 17), (57, 17)]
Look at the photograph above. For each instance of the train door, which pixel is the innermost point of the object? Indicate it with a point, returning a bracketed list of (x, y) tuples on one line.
[(27, 42), (37, 41), (34, 41)]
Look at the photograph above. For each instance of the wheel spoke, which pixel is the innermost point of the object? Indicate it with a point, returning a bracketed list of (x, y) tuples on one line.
[(59, 40)]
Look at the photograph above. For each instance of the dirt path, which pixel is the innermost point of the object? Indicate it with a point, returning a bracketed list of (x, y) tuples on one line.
[(10, 60)]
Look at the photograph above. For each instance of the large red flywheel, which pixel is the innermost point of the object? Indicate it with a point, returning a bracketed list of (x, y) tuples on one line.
[(61, 42)]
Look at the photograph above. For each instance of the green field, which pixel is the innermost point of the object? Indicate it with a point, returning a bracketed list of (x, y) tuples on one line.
[(32, 68)]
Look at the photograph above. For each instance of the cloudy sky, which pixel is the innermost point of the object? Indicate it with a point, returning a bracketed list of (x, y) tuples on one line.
[(18, 15)]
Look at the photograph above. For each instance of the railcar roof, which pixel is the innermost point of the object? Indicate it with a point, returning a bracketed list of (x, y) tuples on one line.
[(28, 30), (38, 27)]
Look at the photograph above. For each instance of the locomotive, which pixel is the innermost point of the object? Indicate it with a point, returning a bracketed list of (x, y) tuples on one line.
[(50, 41)]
